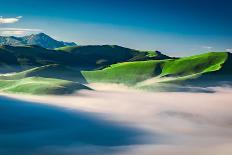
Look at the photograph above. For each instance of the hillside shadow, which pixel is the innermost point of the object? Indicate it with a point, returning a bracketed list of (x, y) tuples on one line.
[(29, 127), (58, 72), (216, 78), (157, 70)]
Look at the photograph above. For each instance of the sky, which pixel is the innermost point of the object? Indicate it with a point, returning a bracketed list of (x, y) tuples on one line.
[(175, 27)]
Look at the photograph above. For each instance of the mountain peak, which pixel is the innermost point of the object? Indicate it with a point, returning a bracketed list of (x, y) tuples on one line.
[(42, 35), (40, 39)]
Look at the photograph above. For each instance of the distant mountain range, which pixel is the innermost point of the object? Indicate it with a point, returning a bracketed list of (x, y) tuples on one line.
[(40, 39)]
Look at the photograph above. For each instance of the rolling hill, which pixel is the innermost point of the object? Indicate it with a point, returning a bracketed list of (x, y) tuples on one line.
[(185, 70), (36, 70)]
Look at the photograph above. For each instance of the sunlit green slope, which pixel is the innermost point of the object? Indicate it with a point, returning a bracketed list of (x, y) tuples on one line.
[(182, 69)]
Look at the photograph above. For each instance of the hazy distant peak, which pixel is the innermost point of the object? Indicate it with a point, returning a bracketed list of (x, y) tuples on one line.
[(40, 39)]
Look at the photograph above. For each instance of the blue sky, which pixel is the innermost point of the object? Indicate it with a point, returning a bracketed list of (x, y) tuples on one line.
[(176, 27)]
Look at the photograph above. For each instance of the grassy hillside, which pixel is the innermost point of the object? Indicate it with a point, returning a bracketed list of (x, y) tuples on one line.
[(171, 70), (127, 72), (40, 86), (82, 57), (195, 64)]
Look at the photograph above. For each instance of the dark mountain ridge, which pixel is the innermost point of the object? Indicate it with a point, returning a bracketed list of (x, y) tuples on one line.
[(80, 57)]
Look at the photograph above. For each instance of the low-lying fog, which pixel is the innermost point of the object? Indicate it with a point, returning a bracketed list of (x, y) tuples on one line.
[(177, 123)]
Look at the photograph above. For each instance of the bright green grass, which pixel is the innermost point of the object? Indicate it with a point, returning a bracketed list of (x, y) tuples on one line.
[(181, 69), (127, 72), (66, 48), (150, 54), (40, 86), (195, 64)]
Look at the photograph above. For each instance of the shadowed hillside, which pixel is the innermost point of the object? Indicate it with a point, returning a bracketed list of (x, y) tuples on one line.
[(105, 55), (83, 58), (48, 71), (223, 76)]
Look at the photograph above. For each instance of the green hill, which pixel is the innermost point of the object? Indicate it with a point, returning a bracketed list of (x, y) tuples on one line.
[(40, 86), (64, 70), (159, 71)]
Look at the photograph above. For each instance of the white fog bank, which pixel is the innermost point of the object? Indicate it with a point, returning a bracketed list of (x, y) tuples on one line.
[(191, 123)]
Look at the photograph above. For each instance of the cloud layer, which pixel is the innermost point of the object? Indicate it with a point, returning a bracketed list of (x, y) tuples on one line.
[(180, 123), (9, 20), (17, 31)]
